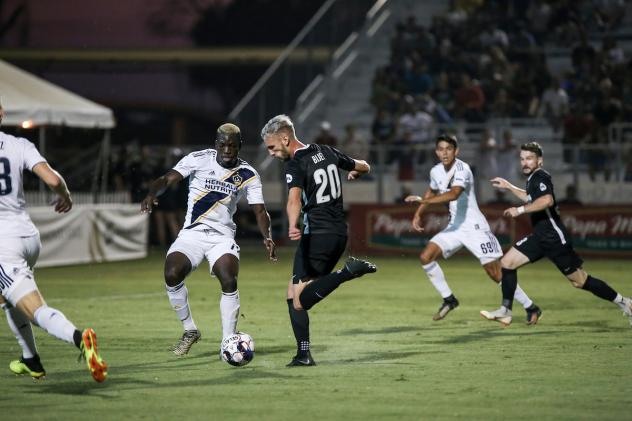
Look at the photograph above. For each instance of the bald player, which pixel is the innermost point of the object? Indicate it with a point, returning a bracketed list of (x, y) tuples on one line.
[(218, 179)]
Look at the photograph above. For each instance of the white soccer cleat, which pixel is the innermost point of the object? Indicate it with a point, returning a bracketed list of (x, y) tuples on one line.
[(626, 306), (502, 316)]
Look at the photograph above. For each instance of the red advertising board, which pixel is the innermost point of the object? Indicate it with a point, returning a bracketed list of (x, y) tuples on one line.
[(387, 229)]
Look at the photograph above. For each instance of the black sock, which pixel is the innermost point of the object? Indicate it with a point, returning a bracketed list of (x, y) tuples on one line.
[(76, 337), (509, 284), (322, 287), (300, 326), (599, 288)]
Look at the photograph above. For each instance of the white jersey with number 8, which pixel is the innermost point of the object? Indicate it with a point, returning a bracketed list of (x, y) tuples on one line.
[(16, 155)]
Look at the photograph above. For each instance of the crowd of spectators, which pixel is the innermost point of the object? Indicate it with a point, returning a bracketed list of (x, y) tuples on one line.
[(132, 169), (487, 60)]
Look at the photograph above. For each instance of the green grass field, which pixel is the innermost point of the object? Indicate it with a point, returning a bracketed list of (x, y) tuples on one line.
[(380, 356)]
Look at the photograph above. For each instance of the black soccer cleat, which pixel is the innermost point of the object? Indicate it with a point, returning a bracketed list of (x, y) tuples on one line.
[(359, 267), (447, 306), (303, 360), (534, 313)]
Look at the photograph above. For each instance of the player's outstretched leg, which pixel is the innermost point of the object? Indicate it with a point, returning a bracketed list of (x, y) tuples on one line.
[(317, 290), (98, 368), (602, 290), (56, 324)]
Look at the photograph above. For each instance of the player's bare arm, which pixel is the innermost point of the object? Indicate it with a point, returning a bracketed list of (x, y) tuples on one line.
[(502, 184), (56, 183), (421, 208), (539, 204), (157, 187), (361, 167), (264, 224), (446, 197), (293, 210)]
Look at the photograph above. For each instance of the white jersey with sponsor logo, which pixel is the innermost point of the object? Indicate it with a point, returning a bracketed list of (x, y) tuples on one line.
[(214, 191), (464, 212), (16, 155)]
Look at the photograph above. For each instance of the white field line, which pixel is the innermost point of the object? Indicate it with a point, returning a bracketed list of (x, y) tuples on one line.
[(113, 297)]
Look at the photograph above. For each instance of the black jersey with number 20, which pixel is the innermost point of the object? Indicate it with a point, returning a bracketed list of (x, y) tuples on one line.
[(315, 169)]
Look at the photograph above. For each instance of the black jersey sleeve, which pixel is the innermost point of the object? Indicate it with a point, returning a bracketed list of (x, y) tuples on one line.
[(541, 185), (294, 174), (344, 161)]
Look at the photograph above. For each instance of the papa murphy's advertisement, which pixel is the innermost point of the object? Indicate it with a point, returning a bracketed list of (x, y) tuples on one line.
[(387, 229)]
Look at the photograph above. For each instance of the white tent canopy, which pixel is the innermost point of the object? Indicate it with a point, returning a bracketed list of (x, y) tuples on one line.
[(26, 97)]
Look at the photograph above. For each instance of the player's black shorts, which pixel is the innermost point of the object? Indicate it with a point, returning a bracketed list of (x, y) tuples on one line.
[(317, 255), (562, 255)]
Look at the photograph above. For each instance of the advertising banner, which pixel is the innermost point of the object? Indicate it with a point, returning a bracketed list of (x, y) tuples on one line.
[(387, 229), (90, 234)]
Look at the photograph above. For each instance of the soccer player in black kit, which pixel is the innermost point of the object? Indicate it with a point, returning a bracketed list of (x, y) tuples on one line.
[(314, 187), (549, 238)]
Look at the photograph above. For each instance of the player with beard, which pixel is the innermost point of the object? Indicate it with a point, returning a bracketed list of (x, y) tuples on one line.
[(312, 174), (549, 238), (218, 179)]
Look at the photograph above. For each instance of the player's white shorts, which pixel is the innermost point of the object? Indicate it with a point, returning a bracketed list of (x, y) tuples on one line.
[(482, 244), (197, 244), (17, 257)]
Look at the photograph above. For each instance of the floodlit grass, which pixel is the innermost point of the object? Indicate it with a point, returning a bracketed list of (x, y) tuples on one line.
[(380, 355)]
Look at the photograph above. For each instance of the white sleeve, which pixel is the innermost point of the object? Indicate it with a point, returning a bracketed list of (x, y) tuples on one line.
[(462, 177), (186, 165), (254, 191), (433, 182), (32, 156)]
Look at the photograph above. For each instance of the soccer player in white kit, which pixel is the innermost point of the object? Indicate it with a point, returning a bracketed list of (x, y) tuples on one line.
[(19, 250), (218, 179), (452, 181)]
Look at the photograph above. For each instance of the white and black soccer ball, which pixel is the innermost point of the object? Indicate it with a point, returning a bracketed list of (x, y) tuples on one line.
[(237, 349)]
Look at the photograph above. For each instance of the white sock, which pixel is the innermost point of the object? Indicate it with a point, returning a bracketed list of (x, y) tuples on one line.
[(229, 310), (55, 323), (436, 276), (522, 297), (179, 299), (620, 301), (21, 328)]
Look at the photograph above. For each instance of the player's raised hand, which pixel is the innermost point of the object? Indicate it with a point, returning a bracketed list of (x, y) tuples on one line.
[(413, 199), (500, 183), (294, 233), (353, 175), (271, 247), (63, 204), (148, 203)]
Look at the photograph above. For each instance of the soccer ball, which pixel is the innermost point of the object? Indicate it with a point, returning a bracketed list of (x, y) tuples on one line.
[(237, 349)]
